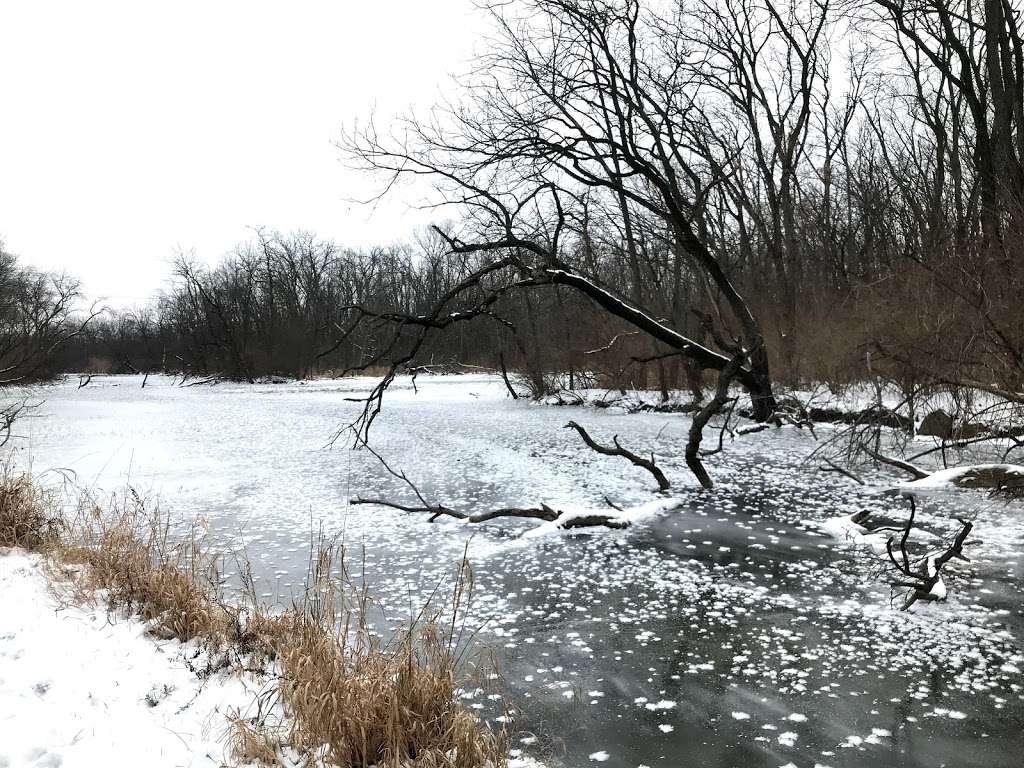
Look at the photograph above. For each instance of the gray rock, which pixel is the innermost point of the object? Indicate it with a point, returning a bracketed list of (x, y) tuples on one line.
[(937, 424)]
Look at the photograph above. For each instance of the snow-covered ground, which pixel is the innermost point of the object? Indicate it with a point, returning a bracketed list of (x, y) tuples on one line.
[(727, 628), (82, 687)]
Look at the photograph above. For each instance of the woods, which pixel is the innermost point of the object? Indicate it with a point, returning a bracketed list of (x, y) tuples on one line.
[(802, 185), (39, 317), (700, 196), (669, 196), (675, 196)]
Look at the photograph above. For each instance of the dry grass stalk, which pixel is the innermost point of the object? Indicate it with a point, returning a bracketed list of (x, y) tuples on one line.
[(132, 558)]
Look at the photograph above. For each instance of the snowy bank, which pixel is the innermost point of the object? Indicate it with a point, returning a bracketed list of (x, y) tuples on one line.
[(79, 686)]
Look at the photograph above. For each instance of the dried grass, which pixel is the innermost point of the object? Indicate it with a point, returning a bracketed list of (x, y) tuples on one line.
[(27, 514), (133, 562), (353, 700)]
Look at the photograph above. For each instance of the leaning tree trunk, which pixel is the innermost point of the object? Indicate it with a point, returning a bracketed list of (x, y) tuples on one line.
[(701, 419), (756, 379)]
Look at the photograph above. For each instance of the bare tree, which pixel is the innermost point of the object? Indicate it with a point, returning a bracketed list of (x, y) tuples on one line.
[(575, 102)]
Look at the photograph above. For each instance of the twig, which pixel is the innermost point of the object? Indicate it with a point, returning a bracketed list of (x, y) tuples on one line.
[(833, 467)]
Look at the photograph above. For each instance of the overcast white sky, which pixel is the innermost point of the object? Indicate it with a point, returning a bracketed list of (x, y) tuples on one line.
[(130, 129)]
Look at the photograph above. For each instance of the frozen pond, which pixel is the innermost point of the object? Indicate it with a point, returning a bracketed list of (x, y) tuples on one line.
[(727, 633)]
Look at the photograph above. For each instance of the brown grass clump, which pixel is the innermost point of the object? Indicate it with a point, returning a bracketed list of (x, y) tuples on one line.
[(250, 745), (27, 516), (354, 701), (130, 556)]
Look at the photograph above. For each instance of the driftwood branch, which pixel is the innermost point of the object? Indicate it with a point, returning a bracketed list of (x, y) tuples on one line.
[(611, 343), (906, 466), (543, 513), (831, 466), (618, 450)]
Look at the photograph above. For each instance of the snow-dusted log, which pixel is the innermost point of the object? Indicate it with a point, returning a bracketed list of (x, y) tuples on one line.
[(892, 461), (618, 450), (543, 513), (1002, 479)]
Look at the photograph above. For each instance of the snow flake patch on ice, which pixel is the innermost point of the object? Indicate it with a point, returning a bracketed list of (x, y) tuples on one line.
[(953, 714), (660, 705), (787, 738)]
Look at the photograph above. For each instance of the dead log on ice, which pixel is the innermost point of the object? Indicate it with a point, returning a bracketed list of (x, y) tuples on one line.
[(543, 512)]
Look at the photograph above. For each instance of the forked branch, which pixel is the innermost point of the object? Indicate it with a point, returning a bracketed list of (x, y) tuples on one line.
[(922, 576), (618, 450)]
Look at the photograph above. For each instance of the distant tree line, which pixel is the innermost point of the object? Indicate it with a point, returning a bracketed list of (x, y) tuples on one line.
[(39, 315)]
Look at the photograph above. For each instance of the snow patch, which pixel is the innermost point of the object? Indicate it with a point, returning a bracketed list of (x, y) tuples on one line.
[(628, 516)]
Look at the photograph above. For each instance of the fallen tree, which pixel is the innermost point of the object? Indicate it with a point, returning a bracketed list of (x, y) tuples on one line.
[(918, 574)]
